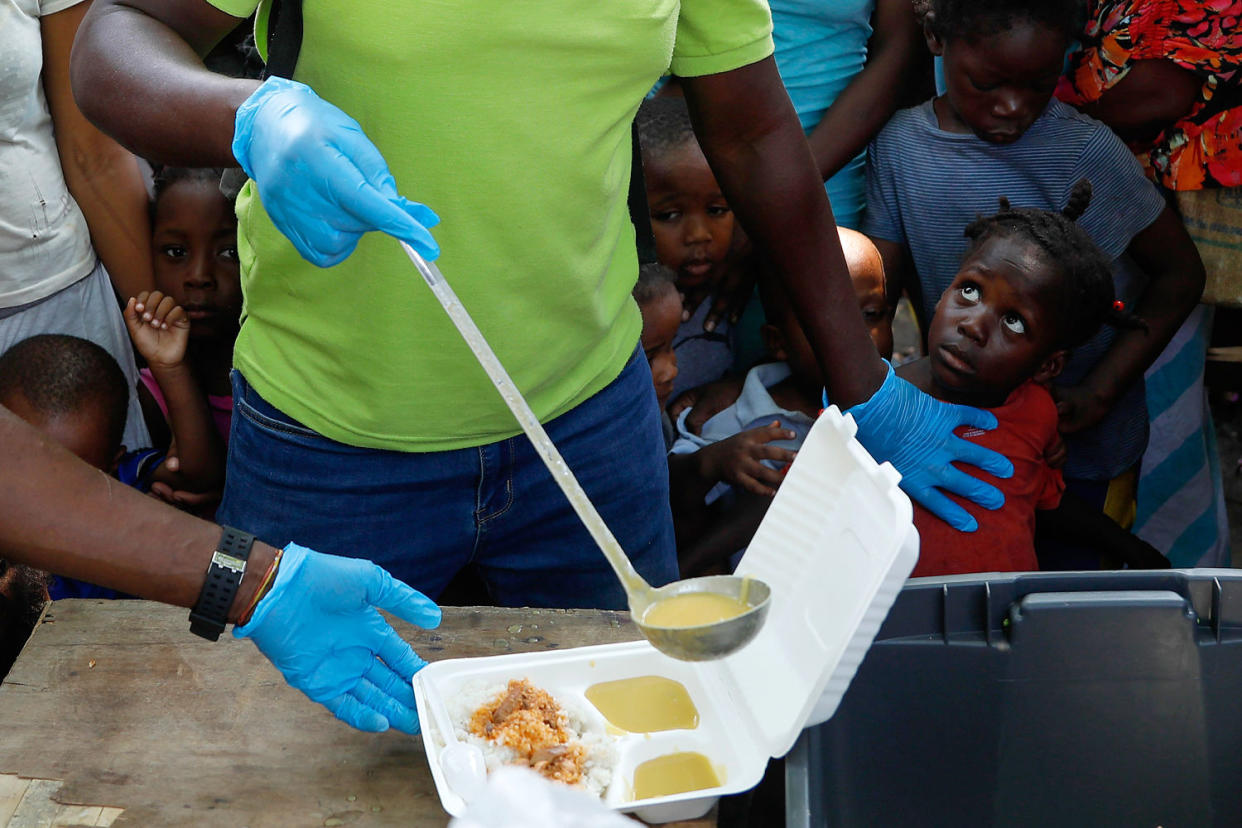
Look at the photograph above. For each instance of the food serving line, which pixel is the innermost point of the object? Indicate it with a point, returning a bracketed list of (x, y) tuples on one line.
[(114, 707), (122, 713)]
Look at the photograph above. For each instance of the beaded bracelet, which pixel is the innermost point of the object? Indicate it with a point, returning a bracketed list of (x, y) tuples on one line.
[(264, 586)]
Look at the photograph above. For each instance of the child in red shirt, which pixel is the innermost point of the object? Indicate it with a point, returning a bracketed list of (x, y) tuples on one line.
[(1031, 287)]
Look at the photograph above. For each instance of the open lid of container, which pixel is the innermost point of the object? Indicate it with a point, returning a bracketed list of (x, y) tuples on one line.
[(835, 547)]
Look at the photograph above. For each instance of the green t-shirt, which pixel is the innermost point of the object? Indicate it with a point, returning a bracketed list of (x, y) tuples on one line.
[(512, 121)]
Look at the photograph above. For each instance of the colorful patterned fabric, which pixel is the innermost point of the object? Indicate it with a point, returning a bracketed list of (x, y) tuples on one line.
[(1203, 149)]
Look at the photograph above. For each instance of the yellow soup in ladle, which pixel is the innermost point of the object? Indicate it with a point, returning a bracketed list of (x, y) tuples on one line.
[(693, 609)]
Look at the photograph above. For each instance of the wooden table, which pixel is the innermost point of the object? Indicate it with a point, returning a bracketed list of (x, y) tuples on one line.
[(114, 714)]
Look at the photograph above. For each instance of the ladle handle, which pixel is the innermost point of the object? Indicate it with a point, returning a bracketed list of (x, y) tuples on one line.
[(630, 579)]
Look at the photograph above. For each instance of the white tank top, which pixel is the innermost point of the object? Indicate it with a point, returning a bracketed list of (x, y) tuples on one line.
[(44, 242)]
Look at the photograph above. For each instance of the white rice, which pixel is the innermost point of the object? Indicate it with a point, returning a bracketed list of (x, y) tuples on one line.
[(588, 730)]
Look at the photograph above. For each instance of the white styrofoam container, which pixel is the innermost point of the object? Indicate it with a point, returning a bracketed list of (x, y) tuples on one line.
[(835, 546)]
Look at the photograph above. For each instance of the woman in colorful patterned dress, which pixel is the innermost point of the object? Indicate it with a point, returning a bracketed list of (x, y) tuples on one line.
[(1164, 74)]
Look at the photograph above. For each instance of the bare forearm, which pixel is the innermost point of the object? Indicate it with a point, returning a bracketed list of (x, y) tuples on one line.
[(113, 199), (1164, 307), (852, 120), (140, 81), (199, 448), (59, 514), (765, 168), (1168, 255), (872, 96), (104, 179)]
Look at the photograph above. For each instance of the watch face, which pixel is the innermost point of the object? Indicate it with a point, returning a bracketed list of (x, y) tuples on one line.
[(228, 561)]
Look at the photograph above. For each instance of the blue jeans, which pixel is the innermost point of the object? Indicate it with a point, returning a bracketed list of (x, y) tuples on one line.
[(425, 516)]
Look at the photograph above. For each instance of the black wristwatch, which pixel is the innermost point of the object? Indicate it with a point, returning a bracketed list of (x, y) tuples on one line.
[(224, 575)]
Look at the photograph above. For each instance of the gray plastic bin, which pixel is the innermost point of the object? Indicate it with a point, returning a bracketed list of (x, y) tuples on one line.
[(1057, 699)]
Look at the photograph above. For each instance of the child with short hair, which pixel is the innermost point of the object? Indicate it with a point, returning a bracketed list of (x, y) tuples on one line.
[(73, 391), (186, 328), (1031, 287), (998, 130), (660, 306), (723, 478), (693, 229)]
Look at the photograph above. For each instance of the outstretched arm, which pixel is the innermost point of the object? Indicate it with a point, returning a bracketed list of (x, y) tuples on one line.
[(138, 74), (872, 96), (160, 331), (1166, 253), (317, 624), (755, 145), (59, 514), (103, 177)]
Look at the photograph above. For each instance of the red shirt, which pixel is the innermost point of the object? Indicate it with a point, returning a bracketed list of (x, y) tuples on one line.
[(1005, 540)]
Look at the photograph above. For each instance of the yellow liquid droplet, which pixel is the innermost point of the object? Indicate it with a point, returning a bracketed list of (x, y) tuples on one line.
[(693, 609), (673, 774), (645, 704)]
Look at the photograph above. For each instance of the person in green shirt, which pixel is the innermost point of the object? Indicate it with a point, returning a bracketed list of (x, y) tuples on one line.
[(359, 413)]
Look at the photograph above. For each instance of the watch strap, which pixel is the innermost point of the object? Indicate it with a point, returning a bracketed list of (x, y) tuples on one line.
[(224, 575)]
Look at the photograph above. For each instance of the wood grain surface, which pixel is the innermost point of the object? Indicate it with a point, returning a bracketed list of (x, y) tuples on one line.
[(118, 704)]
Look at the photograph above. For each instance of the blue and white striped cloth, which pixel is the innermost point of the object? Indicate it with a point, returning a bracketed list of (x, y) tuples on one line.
[(1181, 502)]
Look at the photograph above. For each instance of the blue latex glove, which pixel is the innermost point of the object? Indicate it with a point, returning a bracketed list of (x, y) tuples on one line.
[(319, 625), (321, 179), (914, 432)]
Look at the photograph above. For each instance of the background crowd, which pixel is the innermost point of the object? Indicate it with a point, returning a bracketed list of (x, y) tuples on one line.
[(1028, 210)]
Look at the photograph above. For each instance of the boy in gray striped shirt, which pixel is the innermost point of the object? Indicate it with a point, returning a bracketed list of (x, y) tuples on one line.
[(997, 131)]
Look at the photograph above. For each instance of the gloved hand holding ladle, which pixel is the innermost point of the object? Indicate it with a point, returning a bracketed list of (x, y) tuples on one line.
[(693, 620)]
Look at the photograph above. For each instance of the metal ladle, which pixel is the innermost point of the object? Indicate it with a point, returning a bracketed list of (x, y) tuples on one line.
[(698, 643)]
